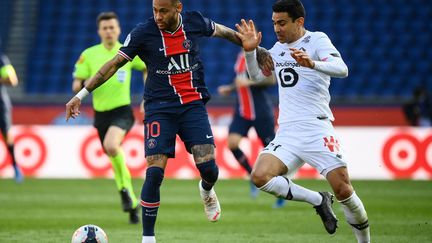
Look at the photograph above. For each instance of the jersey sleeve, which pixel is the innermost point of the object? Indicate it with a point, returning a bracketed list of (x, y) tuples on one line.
[(208, 25), (6, 67), (82, 67), (132, 45), (138, 64), (325, 49)]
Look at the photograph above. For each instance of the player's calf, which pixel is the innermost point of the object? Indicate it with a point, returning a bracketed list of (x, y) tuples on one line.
[(209, 173), (150, 199), (356, 216)]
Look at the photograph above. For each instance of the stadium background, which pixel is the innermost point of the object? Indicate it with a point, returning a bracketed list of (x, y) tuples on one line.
[(386, 47), (384, 42)]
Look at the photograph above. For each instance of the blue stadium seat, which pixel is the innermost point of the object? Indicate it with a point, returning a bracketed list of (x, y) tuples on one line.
[(380, 41)]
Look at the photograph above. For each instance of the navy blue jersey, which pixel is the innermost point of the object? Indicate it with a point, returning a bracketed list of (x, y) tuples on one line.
[(175, 70), (252, 102)]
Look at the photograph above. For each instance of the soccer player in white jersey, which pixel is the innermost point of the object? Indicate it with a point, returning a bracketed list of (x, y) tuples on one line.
[(304, 62)]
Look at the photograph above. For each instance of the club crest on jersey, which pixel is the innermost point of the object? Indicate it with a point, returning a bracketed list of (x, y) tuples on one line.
[(187, 44), (151, 143), (332, 144)]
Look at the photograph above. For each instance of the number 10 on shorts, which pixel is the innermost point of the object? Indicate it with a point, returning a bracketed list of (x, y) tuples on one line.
[(152, 129)]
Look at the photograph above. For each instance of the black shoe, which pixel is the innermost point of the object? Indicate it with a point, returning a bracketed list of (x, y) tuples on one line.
[(133, 216), (325, 211), (126, 200)]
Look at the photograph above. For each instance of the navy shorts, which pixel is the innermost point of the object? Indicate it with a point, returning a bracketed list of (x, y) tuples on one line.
[(189, 121), (121, 117), (264, 126)]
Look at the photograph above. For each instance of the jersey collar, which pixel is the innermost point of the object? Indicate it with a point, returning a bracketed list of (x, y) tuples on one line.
[(297, 41)]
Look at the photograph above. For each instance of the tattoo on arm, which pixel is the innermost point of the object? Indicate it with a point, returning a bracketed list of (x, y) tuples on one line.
[(262, 55), (203, 153), (227, 34), (105, 72)]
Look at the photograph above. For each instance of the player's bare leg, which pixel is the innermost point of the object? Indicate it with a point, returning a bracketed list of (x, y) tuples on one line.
[(111, 145), (267, 176), (352, 206), (150, 195), (205, 162)]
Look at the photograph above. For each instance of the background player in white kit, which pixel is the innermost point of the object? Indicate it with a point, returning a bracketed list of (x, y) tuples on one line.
[(303, 61)]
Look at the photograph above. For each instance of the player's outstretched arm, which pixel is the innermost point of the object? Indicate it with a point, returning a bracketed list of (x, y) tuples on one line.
[(226, 33), (104, 73)]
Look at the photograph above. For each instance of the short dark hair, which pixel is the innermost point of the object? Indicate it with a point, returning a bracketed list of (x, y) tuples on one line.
[(106, 16), (294, 8)]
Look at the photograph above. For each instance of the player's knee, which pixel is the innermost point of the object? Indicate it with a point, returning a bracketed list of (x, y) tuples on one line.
[(203, 153), (343, 191), (233, 141), (260, 178), (111, 149), (232, 145)]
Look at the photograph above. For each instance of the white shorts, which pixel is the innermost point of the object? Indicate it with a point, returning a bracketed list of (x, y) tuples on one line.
[(313, 142)]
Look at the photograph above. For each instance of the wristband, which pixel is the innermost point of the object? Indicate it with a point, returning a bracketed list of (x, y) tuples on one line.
[(83, 93)]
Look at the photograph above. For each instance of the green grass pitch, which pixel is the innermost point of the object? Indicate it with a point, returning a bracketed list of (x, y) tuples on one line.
[(50, 211)]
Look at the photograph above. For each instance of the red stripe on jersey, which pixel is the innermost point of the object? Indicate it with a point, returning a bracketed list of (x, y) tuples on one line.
[(246, 103), (173, 42), (240, 65), (150, 205), (183, 87)]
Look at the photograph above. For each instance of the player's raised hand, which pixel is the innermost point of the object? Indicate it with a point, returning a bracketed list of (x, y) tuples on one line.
[(302, 58), (248, 35), (72, 108)]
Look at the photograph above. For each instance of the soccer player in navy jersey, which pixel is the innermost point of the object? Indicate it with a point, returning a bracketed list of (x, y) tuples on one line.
[(8, 77), (253, 108), (175, 97)]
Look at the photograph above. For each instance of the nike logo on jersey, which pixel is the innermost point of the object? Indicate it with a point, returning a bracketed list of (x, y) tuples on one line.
[(162, 49), (151, 210), (207, 136)]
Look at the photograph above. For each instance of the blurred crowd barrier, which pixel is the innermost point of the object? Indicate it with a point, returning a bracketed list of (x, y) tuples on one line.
[(46, 151)]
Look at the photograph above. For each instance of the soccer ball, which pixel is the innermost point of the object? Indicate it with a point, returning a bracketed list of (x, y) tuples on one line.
[(89, 234)]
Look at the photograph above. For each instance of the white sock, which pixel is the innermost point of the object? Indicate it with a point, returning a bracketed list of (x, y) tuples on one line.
[(356, 216), (285, 188), (148, 239)]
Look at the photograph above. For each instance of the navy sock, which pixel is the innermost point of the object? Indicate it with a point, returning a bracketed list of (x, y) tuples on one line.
[(241, 158), (150, 199), (209, 173), (10, 148)]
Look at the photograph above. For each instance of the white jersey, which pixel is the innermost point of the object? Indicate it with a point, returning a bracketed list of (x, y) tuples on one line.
[(303, 92)]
